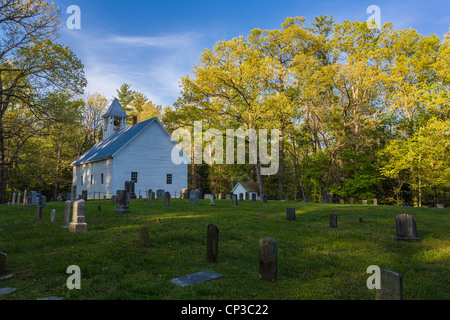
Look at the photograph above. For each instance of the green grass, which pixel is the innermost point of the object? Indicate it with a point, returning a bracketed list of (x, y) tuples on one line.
[(314, 262)]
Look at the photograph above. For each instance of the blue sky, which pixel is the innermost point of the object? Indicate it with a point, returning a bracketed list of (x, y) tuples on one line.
[(152, 44)]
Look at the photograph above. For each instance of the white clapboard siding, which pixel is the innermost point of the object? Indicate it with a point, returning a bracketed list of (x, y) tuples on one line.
[(149, 154), (96, 169)]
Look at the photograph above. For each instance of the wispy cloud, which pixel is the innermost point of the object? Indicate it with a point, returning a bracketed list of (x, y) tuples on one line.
[(167, 41)]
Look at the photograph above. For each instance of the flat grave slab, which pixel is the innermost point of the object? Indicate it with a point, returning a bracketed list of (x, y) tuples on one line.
[(7, 290), (197, 277)]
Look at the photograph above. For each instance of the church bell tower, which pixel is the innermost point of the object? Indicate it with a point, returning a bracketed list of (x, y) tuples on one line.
[(115, 119)]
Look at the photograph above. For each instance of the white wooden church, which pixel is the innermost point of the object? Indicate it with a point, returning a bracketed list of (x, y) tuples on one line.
[(141, 152)]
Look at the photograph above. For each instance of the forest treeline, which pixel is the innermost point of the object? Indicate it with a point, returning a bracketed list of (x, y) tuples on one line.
[(361, 112)]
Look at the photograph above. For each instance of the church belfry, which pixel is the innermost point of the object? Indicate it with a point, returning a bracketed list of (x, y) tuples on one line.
[(114, 119)]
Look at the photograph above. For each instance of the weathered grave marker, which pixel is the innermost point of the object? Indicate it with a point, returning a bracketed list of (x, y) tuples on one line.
[(268, 269), (193, 196), (235, 200), (375, 202), (254, 197), (123, 200), (52, 216), (66, 214), (167, 199), (342, 201), (333, 222), (351, 201), (38, 212), (241, 197), (212, 243), (324, 196), (160, 194), (265, 199), (290, 214), (364, 202), (3, 261), (197, 277), (406, 228), (78, 224), (391, 286), (149, 197)]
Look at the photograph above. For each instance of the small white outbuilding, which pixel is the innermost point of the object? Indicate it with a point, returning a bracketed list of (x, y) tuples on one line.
[(249, 187)]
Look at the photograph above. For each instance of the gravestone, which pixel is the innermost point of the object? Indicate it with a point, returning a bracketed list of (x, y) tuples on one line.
[(123, 199), (268, 269), (330, 198), (228, 196), (78, 224), (197, 277), (391, 286), (66, 215), (99, 208), (290, 214), (333, 222), (52, 216), (185, 194), (4, 291), (13, 201), (43, 201), (149, 196), (364, 202), (211, 198), (25, 198), (286, 198), (405, 204), (241, 197), (18, 198), (212, 243), (235, 200), (306, 198), (3, 262), (38, 212), (254, 197), (145, 239), (84, 195), (247, 196), (160, 194), (440, 206), (406, 228), (324, 196), (265, 199), (375, 202), (31, 198), (114, 199), (351, 201), (74, 194), (200, 193), (193, 196), (220, 196), (167, 199), (131, 190)]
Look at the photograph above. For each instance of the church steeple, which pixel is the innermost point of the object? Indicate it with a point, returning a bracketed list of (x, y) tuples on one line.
[(114, 119)]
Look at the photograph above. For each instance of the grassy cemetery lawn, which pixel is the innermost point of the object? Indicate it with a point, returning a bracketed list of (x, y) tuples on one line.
[(314, 262)]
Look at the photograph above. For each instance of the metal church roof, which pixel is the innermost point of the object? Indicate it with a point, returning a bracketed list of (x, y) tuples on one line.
[(107, 148)]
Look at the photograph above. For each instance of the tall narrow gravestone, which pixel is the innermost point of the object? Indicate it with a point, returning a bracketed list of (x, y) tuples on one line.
[(254, 197), (52, 216), (2, 264), (211, 198), (235, 200), (149, 196), (333, 221), (212, 243), (406, 228), (38, 212), (391, 286), (167, 199), (265, 200), (375, 202), (351, 201), (193, 196), (123, 200), (268, 259), (78, 224), (241, 197), (66, 215), (290, 214)]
